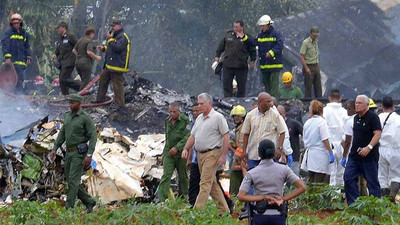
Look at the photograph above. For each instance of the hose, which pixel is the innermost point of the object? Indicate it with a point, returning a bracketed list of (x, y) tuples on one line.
[(90, 105)]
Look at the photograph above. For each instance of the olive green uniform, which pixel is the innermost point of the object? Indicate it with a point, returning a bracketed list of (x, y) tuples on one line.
[(175, 136), (84, 62), (78, 128), (292, 92), (310, 50)]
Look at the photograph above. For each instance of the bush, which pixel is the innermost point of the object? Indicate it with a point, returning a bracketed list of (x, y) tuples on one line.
[(319, 197), (369, 210)]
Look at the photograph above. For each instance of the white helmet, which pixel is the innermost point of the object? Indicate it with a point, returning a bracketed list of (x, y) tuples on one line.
[(16, 16), (264, 20)]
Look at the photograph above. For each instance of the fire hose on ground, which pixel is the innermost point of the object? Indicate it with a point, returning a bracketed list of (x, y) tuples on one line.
[(84, 92)]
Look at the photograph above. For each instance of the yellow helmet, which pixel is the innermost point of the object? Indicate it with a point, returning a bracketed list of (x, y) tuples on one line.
[(238, 111), (372, 104), (287, 77)]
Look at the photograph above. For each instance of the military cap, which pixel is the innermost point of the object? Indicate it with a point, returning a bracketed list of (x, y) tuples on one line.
[(115, 22), (314, 30), (75, 98), (62, 24)]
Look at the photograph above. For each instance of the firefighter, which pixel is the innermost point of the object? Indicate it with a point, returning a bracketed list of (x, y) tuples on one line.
[(270, 46), (238, 113), (16, 48), (117, 62)]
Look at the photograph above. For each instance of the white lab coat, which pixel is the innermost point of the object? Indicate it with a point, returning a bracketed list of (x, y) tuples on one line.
[(389, 150), (314, 132)]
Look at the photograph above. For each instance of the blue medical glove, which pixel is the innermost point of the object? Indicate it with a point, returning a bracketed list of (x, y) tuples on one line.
[(289, 160), (332, 158), (343, 162)]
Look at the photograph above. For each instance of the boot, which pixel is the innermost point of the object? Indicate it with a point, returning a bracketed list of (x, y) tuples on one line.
[(385, 192), (394, 189)]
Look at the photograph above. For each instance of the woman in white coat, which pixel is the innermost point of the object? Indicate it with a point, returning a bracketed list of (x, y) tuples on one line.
[(318, 156)]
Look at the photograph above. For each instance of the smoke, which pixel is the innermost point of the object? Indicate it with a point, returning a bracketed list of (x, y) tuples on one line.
[(16, 113)]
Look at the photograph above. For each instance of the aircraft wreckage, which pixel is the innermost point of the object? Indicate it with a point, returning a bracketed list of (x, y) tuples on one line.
[(127, 160)]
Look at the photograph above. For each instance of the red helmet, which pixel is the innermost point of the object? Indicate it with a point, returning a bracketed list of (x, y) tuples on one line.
[(39, 80), (56, 82)]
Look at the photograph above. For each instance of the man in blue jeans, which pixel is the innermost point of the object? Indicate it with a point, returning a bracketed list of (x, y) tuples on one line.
[(364, 153)]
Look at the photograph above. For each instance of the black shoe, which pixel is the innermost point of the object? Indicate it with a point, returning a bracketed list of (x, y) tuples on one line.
[(90, 208), (244, 215)]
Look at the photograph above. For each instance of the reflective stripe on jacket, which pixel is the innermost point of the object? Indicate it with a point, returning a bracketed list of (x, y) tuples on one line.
[(272, 42), (117, 52), (16, 46)]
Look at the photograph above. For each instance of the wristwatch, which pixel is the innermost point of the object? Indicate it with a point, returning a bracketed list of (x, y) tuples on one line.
[(280, 148), (185, 149), (370, 147), (89, 155)]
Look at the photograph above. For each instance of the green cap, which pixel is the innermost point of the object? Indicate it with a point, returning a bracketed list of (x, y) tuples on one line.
[(75, 98), (115, 22), (314, 30), (62, 24)]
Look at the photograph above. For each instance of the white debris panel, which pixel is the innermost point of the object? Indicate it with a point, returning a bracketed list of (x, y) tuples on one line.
[(123, 163)]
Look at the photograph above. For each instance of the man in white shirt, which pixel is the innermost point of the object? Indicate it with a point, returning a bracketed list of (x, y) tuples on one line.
[(389, 151), (210, 138), (335, 115)]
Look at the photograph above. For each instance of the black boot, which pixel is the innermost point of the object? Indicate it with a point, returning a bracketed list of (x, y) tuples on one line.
[(394, 189), (385, 192)]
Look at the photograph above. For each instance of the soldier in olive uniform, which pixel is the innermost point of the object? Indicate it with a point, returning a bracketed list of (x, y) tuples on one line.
[(77, 130), (84, 51), (66, 58), (176, 134)]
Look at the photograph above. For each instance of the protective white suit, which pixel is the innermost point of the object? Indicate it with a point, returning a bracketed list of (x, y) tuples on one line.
[(336, 116), (389, 150)]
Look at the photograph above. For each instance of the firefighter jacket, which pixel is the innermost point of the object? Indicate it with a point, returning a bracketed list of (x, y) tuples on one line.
[(16, 46), (117, 52), (272, 42), (235, 51), (64, 53)]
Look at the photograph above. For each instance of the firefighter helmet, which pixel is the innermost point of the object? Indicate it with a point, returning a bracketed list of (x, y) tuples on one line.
[(16, 16), (372, 104), (287, 77), (238, 111), (264, 20)]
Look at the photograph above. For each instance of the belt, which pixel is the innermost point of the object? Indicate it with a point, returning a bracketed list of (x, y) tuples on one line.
[(209, 150), (71, 149)]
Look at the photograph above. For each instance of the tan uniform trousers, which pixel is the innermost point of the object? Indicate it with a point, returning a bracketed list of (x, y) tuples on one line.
[(208, 164)]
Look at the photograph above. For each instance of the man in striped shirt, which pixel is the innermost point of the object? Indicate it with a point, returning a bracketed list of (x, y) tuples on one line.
[(262, 123)]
